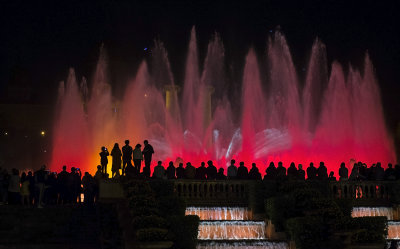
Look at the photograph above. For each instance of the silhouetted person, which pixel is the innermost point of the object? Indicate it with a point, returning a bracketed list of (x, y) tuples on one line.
[(31, 180), (331, 176), (354, 175), (126, 155), (98, 176), (292, 171), (343, 172), (103, 159), (62, 183), (280, 171), (221, 175), (148, 152), (180, 172), (88, 184), (201, 172), (171, 170), (270, 172), (24, 189), (211, 171), (232, 170), (74, 184), (40, 180), (322, 171), (301, 174), (380, 172), (190, 171), (116, 154), (371, 172), (311, 172), (137, 158), (254, 173), (14, 196), (159, 171), (390, 173), (242, 173)]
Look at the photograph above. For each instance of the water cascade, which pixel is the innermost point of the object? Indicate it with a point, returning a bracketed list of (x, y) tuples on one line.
[(231, 227)]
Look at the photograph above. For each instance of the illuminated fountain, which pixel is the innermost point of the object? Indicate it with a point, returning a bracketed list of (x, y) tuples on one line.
[(335, 117), (231, 227)]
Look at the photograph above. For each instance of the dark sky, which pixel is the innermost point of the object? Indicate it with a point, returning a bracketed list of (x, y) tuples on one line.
[(42, 40)]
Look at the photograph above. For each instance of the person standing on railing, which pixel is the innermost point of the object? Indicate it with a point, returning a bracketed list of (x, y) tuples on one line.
[(137, 158), (211, 171), (126, 155), (292, 171), (171, 170), (343, 172), (270, 172), (190, 171), (148, 152), (116, 160), (311, 172), (103, 159), (180, 171), (254, 173), (159, 171), (322, 172), (232, 171), (201, 172), (242, 173), (301, 174)]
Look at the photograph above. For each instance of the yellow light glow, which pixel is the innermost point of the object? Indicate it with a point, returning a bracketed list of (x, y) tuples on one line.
[(42, 133)]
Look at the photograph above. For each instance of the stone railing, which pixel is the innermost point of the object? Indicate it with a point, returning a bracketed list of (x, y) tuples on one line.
[(208, 193), (373, 192)]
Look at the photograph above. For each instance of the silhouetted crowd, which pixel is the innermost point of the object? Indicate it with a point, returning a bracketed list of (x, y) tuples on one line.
[(49, 188)]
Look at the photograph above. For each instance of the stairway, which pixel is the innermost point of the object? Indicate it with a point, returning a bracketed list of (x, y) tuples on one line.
[(231, 227)]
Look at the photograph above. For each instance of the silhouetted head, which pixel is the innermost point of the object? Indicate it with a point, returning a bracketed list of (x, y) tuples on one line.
[(138, 146), (280, 164), (300, 166), (311, 164), (241, 163), (292, 165), (378, 164), (126, 142), (103, 148), (331, 174), (116, 145), (43, 167), (87, 173), (233, 161), (221, 170), (23, 176), (188, 164), (321, 164), (180, 165), (145, 142), (203, 164), (64, 168), (253, 165), (73, 169), (342, 165), (390, 165), (98, 167), (210, 163), (171, 163), (271, 164), (30, 173), (159, 163)]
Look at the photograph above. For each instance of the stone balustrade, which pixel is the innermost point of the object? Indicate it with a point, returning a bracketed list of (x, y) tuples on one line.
[(374, 192), (198, 192)]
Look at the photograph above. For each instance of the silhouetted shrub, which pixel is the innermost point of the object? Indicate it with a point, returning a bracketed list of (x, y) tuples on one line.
[(184, 231)]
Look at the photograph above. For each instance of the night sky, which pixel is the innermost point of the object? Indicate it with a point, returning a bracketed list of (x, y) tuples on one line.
[(40, 41)]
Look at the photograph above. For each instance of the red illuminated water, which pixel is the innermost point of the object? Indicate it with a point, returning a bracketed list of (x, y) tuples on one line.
[(331, 117)]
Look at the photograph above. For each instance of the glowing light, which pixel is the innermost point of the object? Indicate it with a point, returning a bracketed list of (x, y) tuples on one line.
[(6, 133), (42, 133)]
